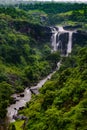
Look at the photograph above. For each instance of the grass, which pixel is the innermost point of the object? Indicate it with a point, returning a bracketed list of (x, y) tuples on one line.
[(19, 124)]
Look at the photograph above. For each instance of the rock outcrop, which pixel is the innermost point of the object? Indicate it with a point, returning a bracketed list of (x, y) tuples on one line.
[(80, 38)]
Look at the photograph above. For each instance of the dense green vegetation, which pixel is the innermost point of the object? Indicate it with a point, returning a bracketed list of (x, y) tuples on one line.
[(25, 58), (71, 17), (52, 7), (61, 13), (24, 51), (62, 102)]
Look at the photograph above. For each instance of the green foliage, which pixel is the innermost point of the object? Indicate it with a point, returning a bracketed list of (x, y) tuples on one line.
[(53, 58), (35, 72), (25, 58), (22, 56), (18, 125), (5, 93), (52, 7), (12, 127), (59, 13), (62, 102)]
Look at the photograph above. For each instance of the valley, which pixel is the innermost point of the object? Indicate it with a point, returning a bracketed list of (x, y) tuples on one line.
[(43, 66)]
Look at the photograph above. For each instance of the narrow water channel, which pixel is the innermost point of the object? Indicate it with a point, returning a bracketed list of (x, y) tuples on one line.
[(12, 110), (22, 100)]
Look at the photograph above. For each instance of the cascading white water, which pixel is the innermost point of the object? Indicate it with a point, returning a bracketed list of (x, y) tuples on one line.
[(58, 40), (61, 29), (53, 38), (56, 44), (69, 46), (20, 102)]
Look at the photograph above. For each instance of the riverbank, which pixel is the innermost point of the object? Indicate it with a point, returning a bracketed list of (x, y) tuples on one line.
[(12, 110)]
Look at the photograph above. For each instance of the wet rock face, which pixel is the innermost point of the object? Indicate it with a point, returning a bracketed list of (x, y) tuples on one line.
[(20, 117), (38, 32), (21, 95), (80, 38), (63, 38)]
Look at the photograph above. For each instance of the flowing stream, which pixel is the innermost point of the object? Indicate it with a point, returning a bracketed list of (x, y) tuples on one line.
[(21, 101), (12, 110)]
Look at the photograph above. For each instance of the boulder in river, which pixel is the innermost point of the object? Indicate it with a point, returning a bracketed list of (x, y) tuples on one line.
[(20, 108), (16, 117), (21, 95)]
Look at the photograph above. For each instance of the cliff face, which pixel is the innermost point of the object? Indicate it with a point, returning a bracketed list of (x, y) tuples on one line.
[(63, 38), (80, 37), (40, 33)]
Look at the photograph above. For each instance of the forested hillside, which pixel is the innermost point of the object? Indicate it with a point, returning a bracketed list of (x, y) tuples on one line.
[(62, 102), (61, 13), (24, 48), (26, 58)]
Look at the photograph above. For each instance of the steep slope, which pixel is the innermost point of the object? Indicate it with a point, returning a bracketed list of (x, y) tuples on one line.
[(62, 102), (24, 46), (25, 58)]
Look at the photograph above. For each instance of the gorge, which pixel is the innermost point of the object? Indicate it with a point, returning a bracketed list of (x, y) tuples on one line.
[(61, 40), (12, 110), (43, 66)]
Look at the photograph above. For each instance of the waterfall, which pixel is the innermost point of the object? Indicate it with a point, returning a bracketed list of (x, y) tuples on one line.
[(21, 101), (53, 39), (58, 45), (58, 40), (69, 45), (54, 45)]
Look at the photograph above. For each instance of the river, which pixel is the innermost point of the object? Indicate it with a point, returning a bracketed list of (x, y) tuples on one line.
[(21, 101)]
